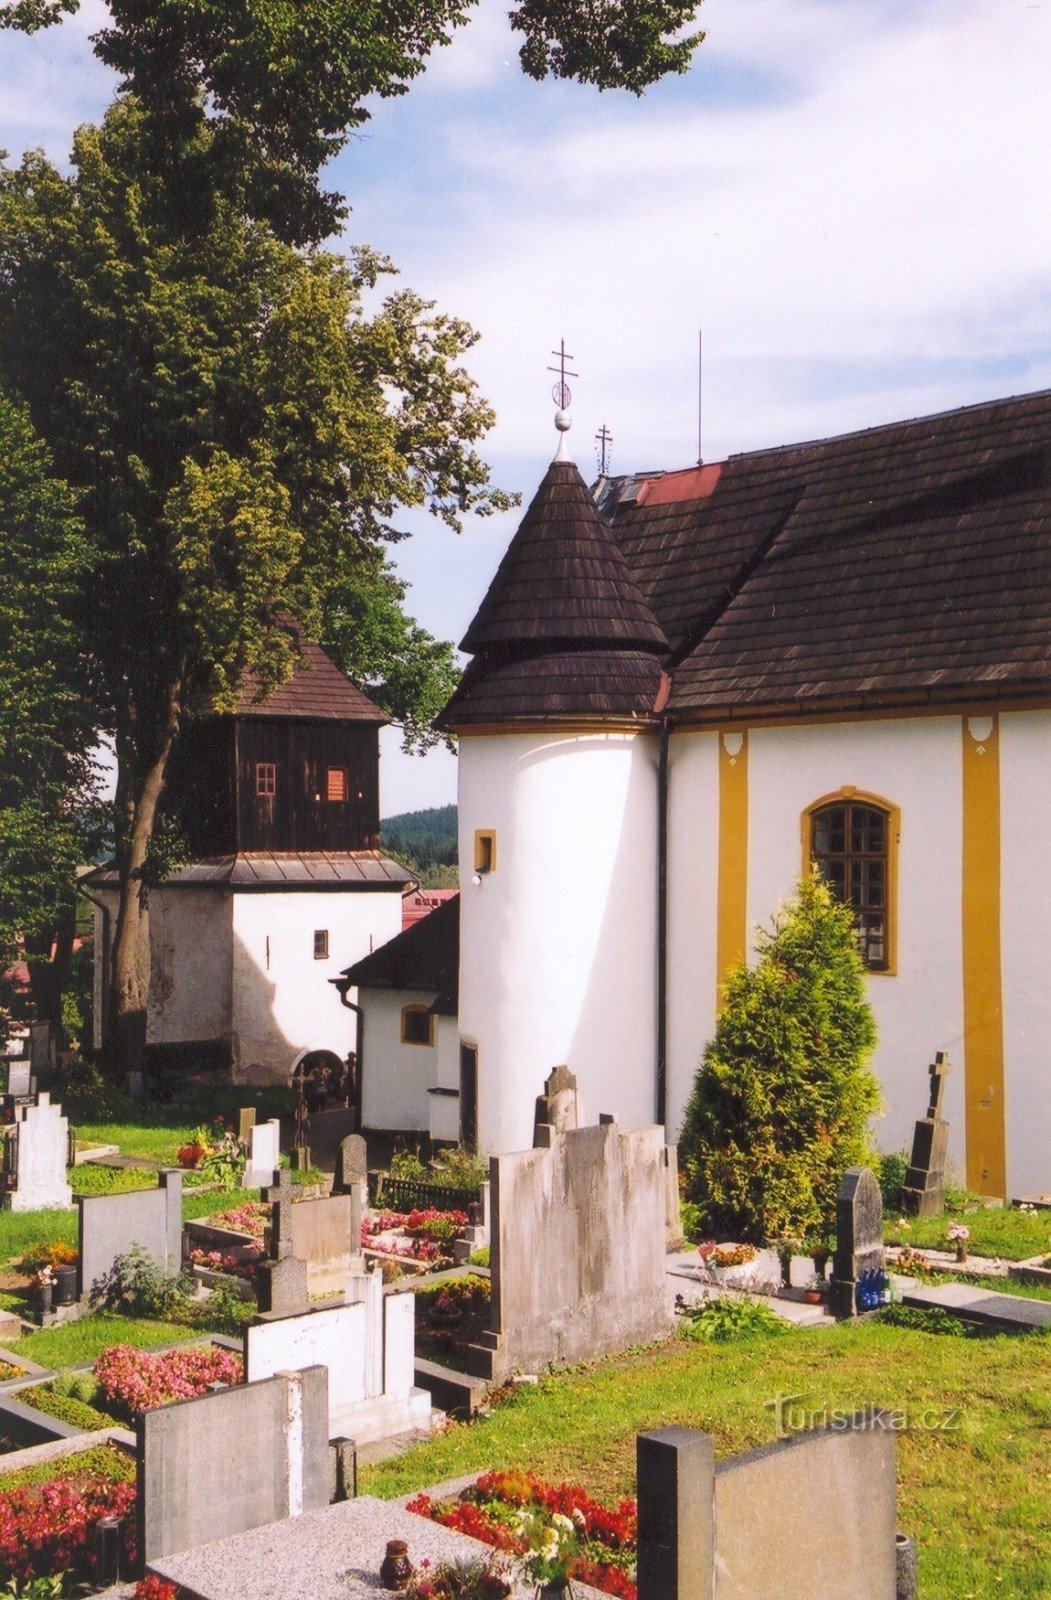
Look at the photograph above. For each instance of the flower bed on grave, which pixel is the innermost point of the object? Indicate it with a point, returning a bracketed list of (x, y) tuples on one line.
[(451, 1316), (556, 1526), (125, 1382), (48, 1528), (424, 1236)]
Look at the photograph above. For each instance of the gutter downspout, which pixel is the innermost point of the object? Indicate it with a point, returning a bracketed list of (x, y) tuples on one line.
[(661, 1086), (359, 1047)]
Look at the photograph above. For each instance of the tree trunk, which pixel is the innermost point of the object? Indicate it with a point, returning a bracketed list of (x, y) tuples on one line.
[(130, 971)]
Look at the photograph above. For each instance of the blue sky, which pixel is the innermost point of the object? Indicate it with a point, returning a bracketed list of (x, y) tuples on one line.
[(851, 197)]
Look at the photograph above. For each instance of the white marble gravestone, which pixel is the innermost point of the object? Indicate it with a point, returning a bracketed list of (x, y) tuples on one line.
[(43, 1150), (264, 1153)]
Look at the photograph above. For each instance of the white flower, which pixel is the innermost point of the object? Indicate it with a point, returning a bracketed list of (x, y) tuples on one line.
[(560, 1521), (579, 1519)]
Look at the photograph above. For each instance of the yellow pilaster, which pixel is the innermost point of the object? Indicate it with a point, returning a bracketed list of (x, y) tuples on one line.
[(982, 988), (732, 929)]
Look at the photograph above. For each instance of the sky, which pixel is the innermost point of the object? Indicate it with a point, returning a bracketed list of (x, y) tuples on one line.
[(849, 197)]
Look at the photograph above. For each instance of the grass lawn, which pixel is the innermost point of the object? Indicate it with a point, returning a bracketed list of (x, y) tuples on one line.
[(102, 1460), (977, 1497), (1002, 1231), (71, 1344)]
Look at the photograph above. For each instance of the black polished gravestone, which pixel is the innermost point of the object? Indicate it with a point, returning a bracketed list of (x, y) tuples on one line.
[(923, 1191), (859, 1239)]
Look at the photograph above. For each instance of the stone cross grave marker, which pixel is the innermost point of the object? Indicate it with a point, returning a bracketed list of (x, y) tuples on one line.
[(559, 1105), (352, 1178), (923, 1192), (281, 1280), (859, 1238)]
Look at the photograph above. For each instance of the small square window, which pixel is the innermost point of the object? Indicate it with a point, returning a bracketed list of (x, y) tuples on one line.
[(417, 1025), (336, 784), (320, 944), (485, 850), (265, 778)]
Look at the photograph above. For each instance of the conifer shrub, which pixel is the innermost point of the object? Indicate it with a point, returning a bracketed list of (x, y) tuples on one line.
[(782, 1099)]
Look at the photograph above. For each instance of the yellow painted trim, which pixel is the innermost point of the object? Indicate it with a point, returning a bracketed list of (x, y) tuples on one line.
[(485, 849), (863, 797), (633, 725), (983, 1033), (732, 921), (423, 1044), (786, 717)]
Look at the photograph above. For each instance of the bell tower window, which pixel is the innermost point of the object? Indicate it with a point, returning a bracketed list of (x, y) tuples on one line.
[(266, 778)]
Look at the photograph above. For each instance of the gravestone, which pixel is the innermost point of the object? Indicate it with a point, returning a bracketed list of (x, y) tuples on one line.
[(352, 1178), (368, 1346), (811, 1516), (20, 1080), (578, 1252), (42, 1133), (245, 1124), (234, 1459), (324, 1237), (859, 1238), (110, 1224), (264, 1152), (559, 1106), (923, 1192), (281, 1280)]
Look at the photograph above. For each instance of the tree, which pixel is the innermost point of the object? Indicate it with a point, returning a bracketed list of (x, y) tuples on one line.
[(241, 432), (283, 82), (46, 714), (781, 1103)]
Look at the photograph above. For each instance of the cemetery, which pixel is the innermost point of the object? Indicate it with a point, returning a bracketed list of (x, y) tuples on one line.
[(616, 1339)]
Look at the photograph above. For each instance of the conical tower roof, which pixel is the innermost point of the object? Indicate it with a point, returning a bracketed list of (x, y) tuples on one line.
[(564, 579), (564, 631)]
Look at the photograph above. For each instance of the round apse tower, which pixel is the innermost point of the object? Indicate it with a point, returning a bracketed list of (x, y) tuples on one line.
[(558, 825)]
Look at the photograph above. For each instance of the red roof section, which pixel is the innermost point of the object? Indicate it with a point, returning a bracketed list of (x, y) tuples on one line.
[(421, 902)]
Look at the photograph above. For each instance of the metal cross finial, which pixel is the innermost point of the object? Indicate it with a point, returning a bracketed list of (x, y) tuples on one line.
[(560, 393), (603, 439)]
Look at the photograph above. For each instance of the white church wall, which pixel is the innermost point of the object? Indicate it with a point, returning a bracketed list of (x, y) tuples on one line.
[(282, 1001), (693, 861), (915, 764), (397, 1077), (1025, 752), (557, 943)]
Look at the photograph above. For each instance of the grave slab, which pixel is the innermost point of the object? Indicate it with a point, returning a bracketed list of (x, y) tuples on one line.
[(111, 1223), (264, 1152), (332, 1554), (1011, 1313)]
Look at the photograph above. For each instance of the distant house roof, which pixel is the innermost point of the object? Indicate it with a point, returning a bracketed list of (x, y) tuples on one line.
[(419, 903), (425, 956), (903, 565), (317, 689), (352, 869)]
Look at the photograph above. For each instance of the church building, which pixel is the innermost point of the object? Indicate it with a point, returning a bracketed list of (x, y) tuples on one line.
[(278, 803), (686, 688)]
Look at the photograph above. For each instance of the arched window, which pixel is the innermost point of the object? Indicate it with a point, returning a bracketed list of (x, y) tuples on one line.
[(852, 838)]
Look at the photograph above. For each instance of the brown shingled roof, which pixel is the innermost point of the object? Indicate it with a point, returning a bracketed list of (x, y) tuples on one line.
[(317, 689), (899, 564), (564, 578)]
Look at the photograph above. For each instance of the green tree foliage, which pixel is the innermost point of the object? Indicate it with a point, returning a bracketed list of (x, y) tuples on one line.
[(426, 842), (243, 431), (782, 1100), (283, 82), (46, 710)]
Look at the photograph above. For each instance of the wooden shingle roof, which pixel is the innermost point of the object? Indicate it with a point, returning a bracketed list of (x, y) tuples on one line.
[(317, 689), (425, 956), (564, 629)]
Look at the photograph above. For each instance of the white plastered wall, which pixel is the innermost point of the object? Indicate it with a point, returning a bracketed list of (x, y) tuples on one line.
[(693, 884), (913, 763), (557, 944), (1025, 884), (283, 1002), (397, 1076)]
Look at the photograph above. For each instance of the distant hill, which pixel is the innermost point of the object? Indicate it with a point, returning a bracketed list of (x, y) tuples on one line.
[(426, 842)]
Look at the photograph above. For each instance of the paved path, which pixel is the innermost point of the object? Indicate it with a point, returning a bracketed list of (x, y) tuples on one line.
[(1009, 1313)]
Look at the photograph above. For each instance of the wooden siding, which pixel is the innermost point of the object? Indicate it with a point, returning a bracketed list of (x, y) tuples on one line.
[(298, 816), (201, 786)]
